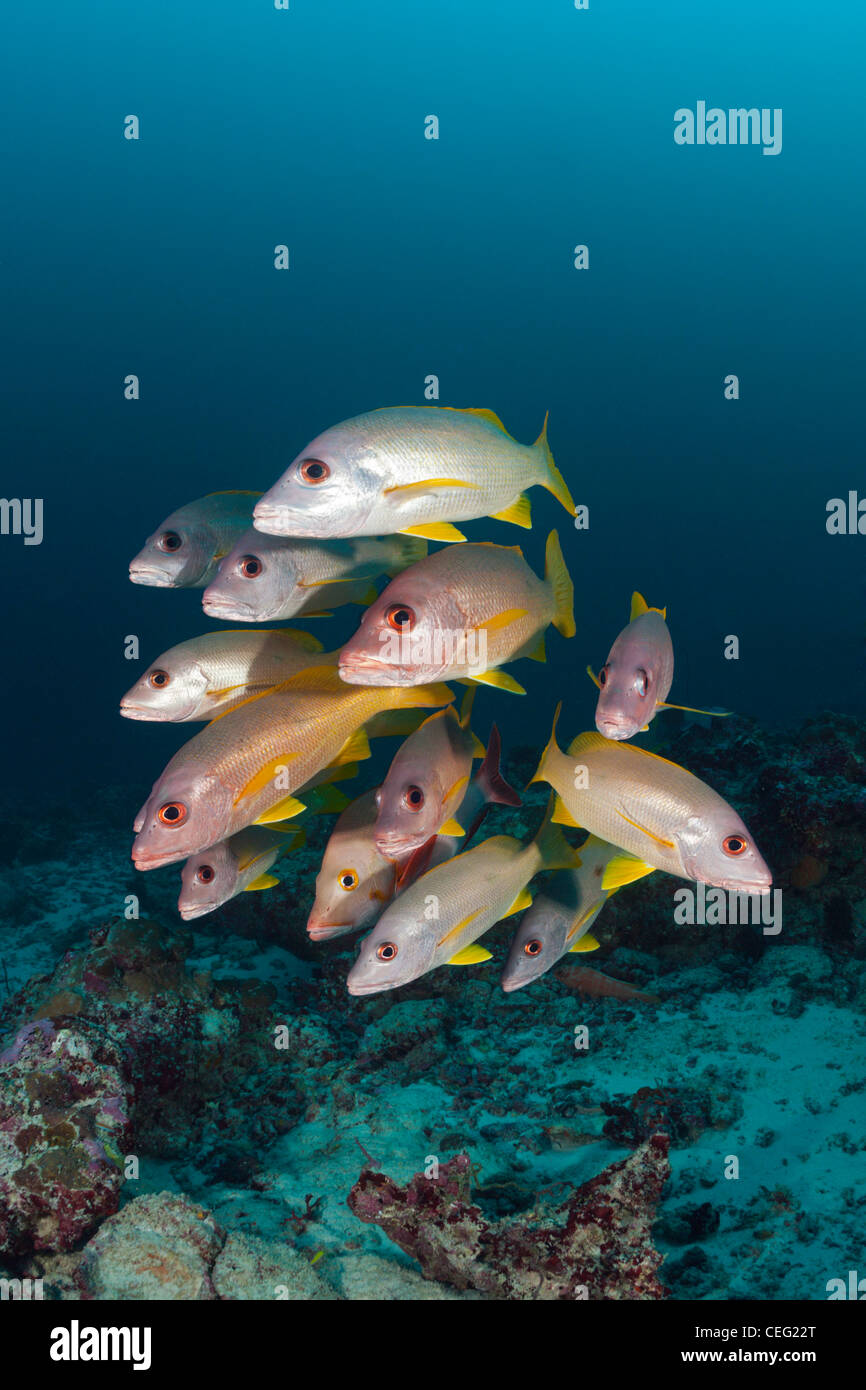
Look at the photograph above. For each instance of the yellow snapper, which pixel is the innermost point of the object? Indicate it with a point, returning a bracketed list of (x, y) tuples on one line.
[(460, 613), (563, 912), (205, 675), (183, 553), (414, 469), (246, 765), (268, 577), (441, 915), (240, 864), (653, 809)]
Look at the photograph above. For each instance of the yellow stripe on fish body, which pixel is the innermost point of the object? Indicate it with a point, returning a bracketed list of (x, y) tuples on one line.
[(454, 465)]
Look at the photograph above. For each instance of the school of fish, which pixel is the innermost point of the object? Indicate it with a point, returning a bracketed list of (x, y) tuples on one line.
[(285, 721)]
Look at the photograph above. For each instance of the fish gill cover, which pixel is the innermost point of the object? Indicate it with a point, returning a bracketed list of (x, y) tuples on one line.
[(427, 393)]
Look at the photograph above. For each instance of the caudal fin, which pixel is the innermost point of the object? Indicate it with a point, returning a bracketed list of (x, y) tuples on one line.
[(555, 851), (552, 479), (559, 579), (490, 779)]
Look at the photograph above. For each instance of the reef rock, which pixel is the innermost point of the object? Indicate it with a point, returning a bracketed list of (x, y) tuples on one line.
[(63, 1119), (599, 1248), (158, 1247)]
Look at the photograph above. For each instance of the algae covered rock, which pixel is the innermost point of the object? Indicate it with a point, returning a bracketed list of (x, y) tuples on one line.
[(159, 1247)]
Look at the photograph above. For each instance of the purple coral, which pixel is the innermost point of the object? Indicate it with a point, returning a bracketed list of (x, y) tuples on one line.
[(600, 1247)]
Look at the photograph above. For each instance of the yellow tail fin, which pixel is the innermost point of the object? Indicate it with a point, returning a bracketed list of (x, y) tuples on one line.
[(553, 479), (555, 851), (559, 579)]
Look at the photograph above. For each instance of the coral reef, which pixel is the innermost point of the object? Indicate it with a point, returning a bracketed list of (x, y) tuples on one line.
[(599, 1248)]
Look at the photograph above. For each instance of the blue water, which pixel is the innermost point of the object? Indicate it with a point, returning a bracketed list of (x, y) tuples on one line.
[(453, 257)]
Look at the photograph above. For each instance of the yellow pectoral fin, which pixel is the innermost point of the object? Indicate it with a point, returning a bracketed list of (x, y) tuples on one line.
[(263, 881), (623, 869), (500, 620), (593, 677), (586, 943), (354, 750), (284, 810), (434, 531), (326, 799), (659, 840), (523, 899), (425, 484), (519, 513), (470, 955), (501, 680), (264, 775), (713, 713), (451, 827), (562, 815)]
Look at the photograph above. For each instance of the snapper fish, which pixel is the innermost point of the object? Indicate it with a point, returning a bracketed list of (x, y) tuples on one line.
[(634, 682), (206, 675), (461, 613), (240, 864), (247, 765), (357, 881), (653, 809), (560, 917), (440, 917), (183, 553), (428, 779), (268, 577), (410, 469)]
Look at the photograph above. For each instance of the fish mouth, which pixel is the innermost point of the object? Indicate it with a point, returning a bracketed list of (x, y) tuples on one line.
[(130, 711), (510, 985), (366, 670), (357, 988), (188, 913), (320, 931), (759, 886), (615, 729), (150, 574), (275, 520), (397, 847), (150, 859), (227, 608)]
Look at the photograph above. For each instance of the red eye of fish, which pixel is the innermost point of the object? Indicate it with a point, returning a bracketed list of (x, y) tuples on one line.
[(250, 566), (602, 676), (348, 879), (172, 813), (640, 683), (532, 948), (170, 540), (734, 844), (314, 471), (413, 798), (158, 679), (205, 873), (387, 951), (400, 617)]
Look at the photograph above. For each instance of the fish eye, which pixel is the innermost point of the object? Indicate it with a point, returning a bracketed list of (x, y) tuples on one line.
[(400, 616), (348, 880), (640, 682), (735, 844), (159, 679), (602, 676), (413, 798), (250, 566), (314, 471), (533, 948), (205, 873), (172, 813), (169, 541), (387, 950)]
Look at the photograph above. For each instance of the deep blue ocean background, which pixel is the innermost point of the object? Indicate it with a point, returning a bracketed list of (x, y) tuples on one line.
[(451, 257)]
